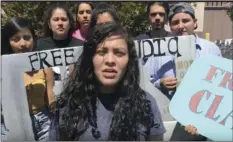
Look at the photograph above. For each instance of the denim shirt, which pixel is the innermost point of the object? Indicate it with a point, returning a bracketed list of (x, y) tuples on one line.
[(164, 66)]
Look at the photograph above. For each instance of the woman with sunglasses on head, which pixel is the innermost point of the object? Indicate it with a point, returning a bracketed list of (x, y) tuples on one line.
[(19, 37), (103, 100)]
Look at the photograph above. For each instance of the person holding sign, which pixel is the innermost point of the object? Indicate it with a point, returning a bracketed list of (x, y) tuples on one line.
[(20, 38), (183, 22), (83, 19), (104, 101), (158, 17)]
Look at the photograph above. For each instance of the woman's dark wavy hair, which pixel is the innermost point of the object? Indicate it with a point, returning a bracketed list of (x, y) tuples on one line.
[(13, 26), (78, 99), (77, 9), (100, 9), (47, 32)]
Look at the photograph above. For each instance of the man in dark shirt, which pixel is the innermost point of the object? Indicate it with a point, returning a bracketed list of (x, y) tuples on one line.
[(157, 12), (158, 16)]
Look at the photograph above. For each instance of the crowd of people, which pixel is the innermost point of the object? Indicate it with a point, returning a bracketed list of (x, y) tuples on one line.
[(102, 99)]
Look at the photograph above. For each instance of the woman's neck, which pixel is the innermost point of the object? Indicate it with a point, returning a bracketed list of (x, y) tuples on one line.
[(83, 31), (107, 90), (59, 37)]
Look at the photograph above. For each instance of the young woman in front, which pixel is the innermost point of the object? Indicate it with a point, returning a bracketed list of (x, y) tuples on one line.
[(103, 100)]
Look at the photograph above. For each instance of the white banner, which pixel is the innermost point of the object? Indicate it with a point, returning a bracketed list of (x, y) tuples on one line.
[(14, 98)]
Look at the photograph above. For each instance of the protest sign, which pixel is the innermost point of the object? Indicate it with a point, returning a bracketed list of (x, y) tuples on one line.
[(205, 97), (169, 125), (14, 98), (182, 48)]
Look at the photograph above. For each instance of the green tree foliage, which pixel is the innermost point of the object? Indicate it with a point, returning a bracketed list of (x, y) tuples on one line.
[(34, 11), (31, 10), (132, 14)]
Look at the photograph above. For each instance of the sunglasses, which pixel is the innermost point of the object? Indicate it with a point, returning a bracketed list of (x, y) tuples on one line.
[(161, 14)]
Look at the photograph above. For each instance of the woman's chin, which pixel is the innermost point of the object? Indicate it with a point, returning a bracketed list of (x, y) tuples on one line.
[(85, 26)]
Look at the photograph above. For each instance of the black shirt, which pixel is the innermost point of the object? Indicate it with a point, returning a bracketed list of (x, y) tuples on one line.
[(108, 100), (154, 34), (49, 43)]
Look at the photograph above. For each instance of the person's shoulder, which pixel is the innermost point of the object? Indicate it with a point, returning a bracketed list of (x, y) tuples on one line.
[(209, 45), (44, 39), (76, 42), (207, 42), (169, 34), (142, 36), (44, 43), (150, 98)]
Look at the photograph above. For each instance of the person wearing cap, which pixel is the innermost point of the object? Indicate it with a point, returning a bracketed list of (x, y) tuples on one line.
[(182, 22), (157, 13)]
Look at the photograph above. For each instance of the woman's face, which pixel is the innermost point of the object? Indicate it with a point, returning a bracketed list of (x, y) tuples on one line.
[(22, 41), (59, 23), (84, 15), (110, 60), (104, 18)]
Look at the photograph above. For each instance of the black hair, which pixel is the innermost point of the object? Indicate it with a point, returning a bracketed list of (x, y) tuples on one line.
[(165, 5), (100, 9), (13, 26), (48, 14), (78, 100), (77, 9)]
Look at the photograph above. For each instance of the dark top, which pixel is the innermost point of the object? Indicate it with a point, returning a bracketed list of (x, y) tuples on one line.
[(153, 34), (104, 111), (49, 43)]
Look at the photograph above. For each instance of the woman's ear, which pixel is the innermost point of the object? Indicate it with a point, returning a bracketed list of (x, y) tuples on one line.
[(49, 24)]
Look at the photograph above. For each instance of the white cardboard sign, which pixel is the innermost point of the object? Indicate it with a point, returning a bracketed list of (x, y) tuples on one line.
[(14, 98)]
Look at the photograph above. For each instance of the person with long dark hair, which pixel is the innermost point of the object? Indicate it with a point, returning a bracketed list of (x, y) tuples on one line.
[(103, 100), (103, 13), (19, 37), (83, 12), (58, 29)]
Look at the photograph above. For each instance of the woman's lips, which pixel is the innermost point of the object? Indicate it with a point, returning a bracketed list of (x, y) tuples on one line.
[(109, 73)]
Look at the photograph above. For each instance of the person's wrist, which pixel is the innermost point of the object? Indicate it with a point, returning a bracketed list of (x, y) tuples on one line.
[(161, 84), (52, 107)]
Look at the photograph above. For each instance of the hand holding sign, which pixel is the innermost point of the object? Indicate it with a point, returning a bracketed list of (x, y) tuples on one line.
[(168, 83), (205, 97)]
